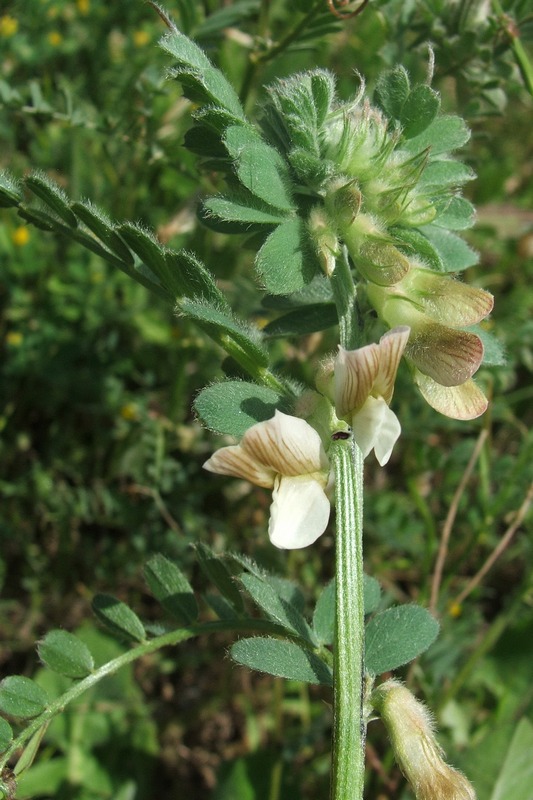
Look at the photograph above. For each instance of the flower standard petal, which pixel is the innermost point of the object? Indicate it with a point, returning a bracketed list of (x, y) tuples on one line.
[(376, 427), (392, 345), (299, 512), (288, 445), (355, 372)]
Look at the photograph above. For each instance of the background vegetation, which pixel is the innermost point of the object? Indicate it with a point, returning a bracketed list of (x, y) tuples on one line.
[(100, 456)]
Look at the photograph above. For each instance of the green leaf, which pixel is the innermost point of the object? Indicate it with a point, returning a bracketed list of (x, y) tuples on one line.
[(227, 17), (102, 227), (455, 213), (186, 275), (260, 167), (281, 658), (444, 173), (324, 613), (39, 218), (6, 735), (301, 321), (276, 607), (220, 325), (64, 653), (118, 617), (54, 197), (412, 242), (149, 250), (285, 262), (419, 110), (10, 194), (30, 750), (516, 777), (200, 79), (215, 569), (231, 407), (241, 209), (445, 134), (494, 354), (392, 90), (171, 588), (454, 252), (21, 697), (317, 292), (398, 635)]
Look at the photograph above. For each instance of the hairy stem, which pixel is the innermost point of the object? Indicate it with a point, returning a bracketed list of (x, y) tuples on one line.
[(348, 763)]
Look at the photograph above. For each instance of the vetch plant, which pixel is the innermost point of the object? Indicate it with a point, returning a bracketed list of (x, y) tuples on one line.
[(356, 207)]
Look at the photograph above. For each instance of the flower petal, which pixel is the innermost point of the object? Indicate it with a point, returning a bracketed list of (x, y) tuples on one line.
[(235, 460), (288, 445), (458, 402), (376, 427), (355, 372), (391, 347), (299, 512), (448, 356)]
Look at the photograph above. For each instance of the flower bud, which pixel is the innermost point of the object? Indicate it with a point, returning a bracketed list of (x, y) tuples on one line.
[(417, 751)]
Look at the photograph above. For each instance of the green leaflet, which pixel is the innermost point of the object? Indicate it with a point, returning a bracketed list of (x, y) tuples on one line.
[(286, 262), (64, 653), (260, 167), (118, 618), (396, 636), (171, 588), (281, 658), (454, 252), (231, 407), (198, 76), (21, 697)]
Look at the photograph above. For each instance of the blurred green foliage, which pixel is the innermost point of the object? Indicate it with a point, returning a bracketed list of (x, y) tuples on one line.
[(100, 456)]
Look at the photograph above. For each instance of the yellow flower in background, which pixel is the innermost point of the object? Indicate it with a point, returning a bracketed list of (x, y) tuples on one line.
[(54, 38), (20, 236), (141, 38), (129, 412), (14, 338), (83, 6), (8, 26)]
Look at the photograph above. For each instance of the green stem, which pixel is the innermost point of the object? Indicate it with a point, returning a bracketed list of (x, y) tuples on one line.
[(348, 761), (345, 294), (519, 52), (143, 649)]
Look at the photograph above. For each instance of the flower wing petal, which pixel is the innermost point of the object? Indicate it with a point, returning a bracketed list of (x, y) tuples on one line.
[(235, 460), (288, 445), (376, 427), (299, 512), (458, 402)]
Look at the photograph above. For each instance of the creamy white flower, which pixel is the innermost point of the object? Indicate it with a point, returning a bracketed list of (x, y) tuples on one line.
[(284, 454), (363, 385)]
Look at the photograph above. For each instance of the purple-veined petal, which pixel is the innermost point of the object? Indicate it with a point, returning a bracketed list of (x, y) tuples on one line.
[(288, 445), (299, 512), (458, 402), (376, 427), (448, 356)]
